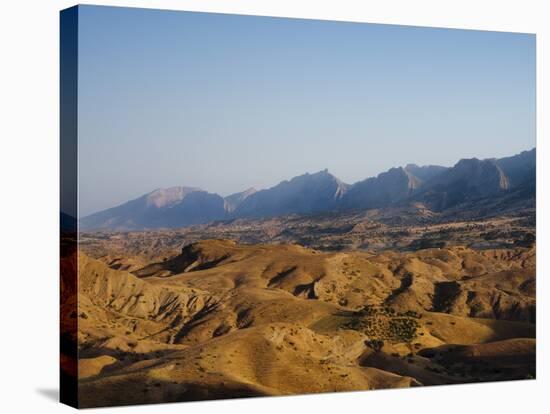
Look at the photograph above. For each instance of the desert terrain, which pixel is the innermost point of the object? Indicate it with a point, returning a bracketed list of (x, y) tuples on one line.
[(419, 276), (189, 314)]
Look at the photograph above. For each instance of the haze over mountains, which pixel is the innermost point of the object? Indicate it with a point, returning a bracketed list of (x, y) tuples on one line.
[(506, 182)]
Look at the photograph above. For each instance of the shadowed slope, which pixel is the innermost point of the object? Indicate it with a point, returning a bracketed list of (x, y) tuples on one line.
[(223, 320)]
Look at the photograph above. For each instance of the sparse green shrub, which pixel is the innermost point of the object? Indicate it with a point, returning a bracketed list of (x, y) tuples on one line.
[(375, 344)]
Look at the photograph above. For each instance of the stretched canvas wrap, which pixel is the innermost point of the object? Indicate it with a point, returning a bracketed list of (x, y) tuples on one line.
[(258, 206)]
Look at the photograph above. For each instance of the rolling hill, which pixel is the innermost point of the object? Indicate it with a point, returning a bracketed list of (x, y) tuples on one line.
[(224, 320)]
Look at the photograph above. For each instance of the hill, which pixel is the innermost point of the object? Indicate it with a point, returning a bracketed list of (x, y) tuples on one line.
[(224, 320)]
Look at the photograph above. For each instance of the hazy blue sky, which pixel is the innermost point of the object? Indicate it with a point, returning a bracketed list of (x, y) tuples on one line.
[(226, 102)]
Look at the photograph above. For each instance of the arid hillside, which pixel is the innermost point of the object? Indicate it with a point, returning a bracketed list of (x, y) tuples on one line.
[(221, 319)]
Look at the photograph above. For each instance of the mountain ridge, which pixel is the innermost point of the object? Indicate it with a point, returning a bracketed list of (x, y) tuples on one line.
[(438, 188)]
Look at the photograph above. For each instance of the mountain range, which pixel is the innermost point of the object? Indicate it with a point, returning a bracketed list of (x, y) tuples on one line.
[(497, 182)]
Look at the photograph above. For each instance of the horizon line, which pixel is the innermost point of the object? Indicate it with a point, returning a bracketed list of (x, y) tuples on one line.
[(199, 189)]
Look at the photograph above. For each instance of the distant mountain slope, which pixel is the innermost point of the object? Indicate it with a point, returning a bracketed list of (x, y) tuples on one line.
[(156, 209), (196, 208), (520, 168), (483, 185), (234, 200), (306, 194), (426, 172), (468, 179), (473, 179), (382, 190)]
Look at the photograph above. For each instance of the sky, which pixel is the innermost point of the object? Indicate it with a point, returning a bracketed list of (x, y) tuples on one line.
[(227, 102)]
